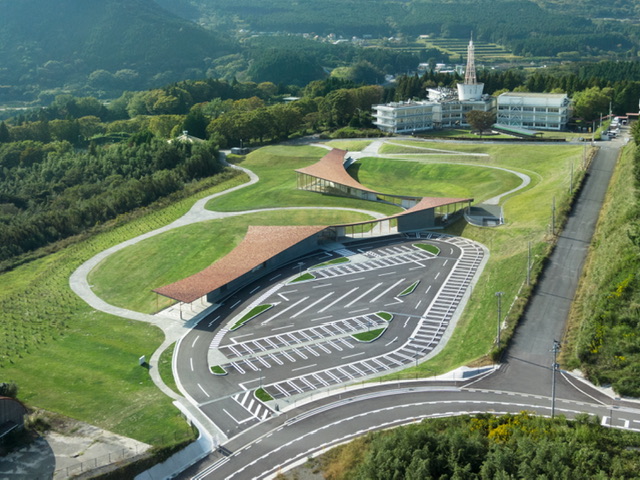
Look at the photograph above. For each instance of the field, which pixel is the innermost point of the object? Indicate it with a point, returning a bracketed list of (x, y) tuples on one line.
[(457, 48)]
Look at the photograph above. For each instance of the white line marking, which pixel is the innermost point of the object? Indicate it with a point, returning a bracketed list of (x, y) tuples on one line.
[(355, 279), (354, 355), (203, 390), (308, 366), (284, 311), (273, 278), (214, 320), (338, 299), (242, 336), (437, 275), (418, 304), (365, 293), (356, 311), (390, 288), (323, 285), (427, 290), (235, 305), (191, 362), (232, 418), (445, 263), (322, 318), (387, 344), (283, 297), (405, 323), (312, 304), (388, 273), (254, 290), (194, 341), (280, 328)]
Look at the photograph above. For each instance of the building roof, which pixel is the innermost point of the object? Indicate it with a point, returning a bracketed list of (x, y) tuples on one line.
[(532, 95), (259, 245), (330, 167)]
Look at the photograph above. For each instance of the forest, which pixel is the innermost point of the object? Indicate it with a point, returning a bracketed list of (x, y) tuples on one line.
[(485, 446), (102, 49)]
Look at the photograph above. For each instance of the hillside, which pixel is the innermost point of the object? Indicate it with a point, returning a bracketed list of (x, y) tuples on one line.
[(110, 44)]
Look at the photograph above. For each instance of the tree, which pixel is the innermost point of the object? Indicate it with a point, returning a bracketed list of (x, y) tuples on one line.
[(5, 135), (479, 120), (589, 104)]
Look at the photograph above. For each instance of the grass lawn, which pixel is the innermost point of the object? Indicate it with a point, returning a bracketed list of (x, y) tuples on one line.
[(67, 358), (420, 177), (174, 255), (351, 145), (276, 167), (166, 370)]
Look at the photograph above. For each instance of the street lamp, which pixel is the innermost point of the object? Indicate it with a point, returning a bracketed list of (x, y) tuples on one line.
[(499, 295)]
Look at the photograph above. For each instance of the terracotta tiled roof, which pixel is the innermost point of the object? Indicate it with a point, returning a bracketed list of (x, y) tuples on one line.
[(259, 245), (330, 167)]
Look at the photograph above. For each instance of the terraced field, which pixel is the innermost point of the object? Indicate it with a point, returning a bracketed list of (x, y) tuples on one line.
[(485, 52)]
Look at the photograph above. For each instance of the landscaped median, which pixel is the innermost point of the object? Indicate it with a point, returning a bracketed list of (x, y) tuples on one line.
[(218, 370), (372, 335), (428, 247), (251, 314)]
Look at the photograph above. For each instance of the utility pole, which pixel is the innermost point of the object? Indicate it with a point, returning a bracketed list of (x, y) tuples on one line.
[(499, 295), (555, 350)]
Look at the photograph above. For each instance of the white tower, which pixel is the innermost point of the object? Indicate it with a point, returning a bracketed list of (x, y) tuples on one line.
[(470, 89)]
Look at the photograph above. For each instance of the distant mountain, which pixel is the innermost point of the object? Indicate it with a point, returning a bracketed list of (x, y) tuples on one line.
[(48, 44)]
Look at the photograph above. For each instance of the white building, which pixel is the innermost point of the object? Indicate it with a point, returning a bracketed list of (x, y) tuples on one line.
[(444, 108), (543, 111)]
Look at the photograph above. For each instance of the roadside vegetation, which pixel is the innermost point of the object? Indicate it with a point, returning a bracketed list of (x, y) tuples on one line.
[(429, 248), (484, 447), (250, 315), (603, 337), (370, 335), (410, 289)]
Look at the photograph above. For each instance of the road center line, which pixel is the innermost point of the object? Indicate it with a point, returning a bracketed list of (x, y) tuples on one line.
[(387, 344), (427, 290), (354, 280), (273, 278), (354, 355), (323, 285), (194, 341), (254, 290), (307, 366), (338, 299), (321, 318), (235, 305), (280, 328), (191, 362), (388, 273), (356, 311), (437, 275)]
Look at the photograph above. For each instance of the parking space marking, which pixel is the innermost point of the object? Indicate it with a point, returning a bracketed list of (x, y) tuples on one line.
[(387, 290), (312, 304), (364, 294), (338, 299), (284, 311)]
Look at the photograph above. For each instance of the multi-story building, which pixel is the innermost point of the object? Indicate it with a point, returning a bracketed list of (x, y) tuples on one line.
[(543, 111), (444, 108)]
